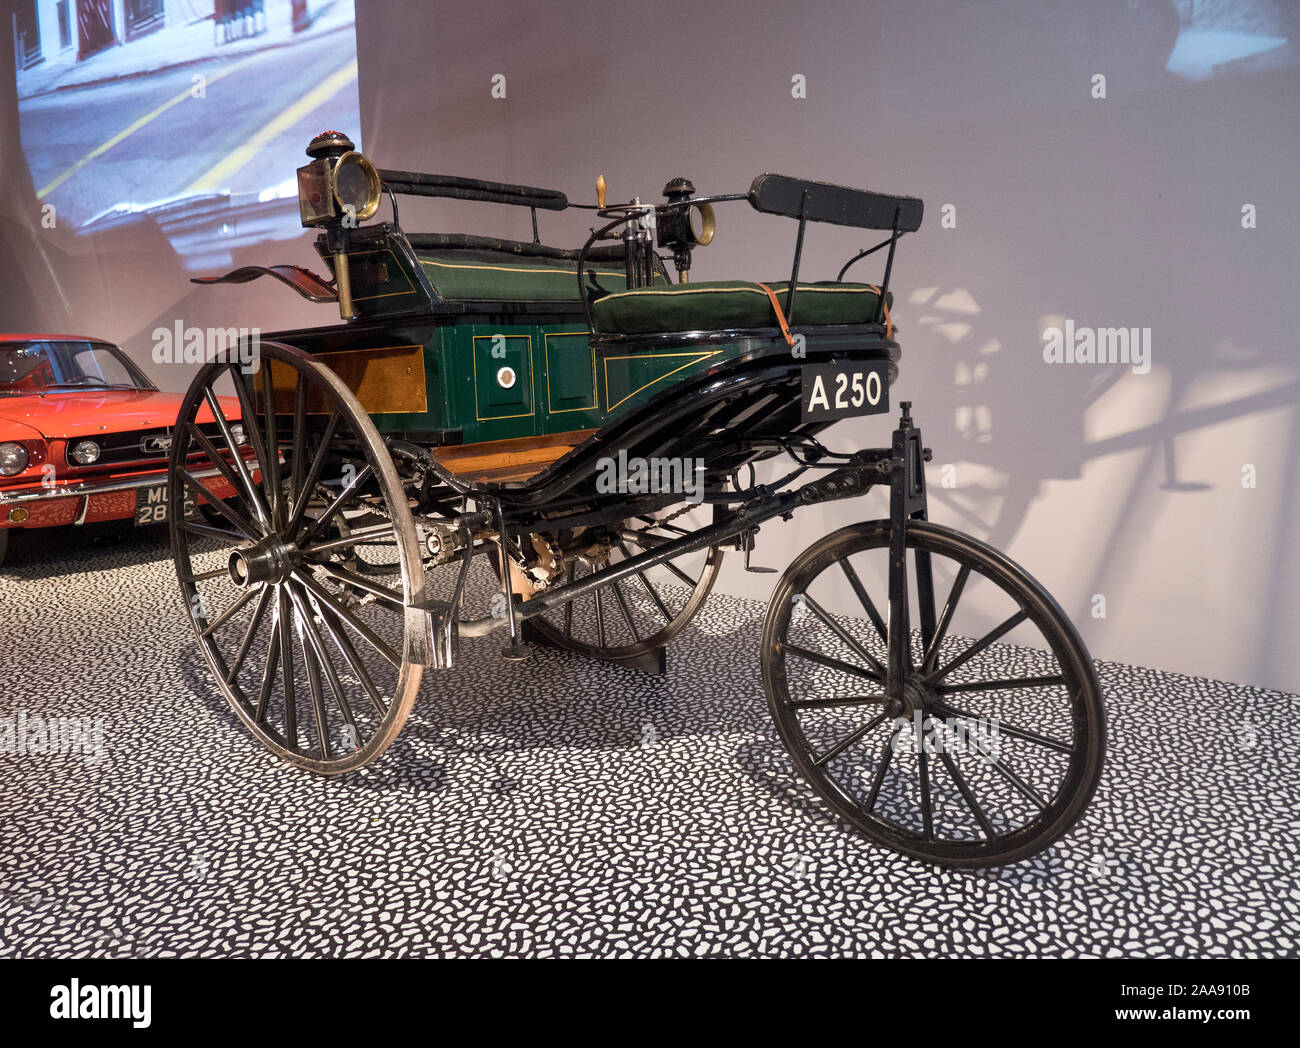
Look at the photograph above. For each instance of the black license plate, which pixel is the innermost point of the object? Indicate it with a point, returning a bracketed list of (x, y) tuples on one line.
[(151, 505), (844, 391)]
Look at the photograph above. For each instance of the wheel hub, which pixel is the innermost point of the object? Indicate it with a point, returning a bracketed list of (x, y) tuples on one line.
[(270, 560), (916, 697)]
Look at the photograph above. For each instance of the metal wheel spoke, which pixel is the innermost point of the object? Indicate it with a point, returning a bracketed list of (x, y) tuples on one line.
[(600, 617), (945, 619), (237, 459), (830, 662), (1010, 729), (968, 796), (847, 700), (686, 579), (354, 661), (652, 523), (247, 595), (360, 537), (654, 594), (848, 741), (248, 412), (844, 635), (864, 599), (886, 755), (1008, 684), (303, 495), (568, 608), (313, 680), (204, 576), (268, 674), (366, 633), (927, 807), (322, 656), (271, 469), (283, 609), (298, 444), (1021, 787), (627, 614), (237, 520), (350, 578), (207, 530), (1003, 769), (250, 633), (978, 646), (338, 503), (214, 456)]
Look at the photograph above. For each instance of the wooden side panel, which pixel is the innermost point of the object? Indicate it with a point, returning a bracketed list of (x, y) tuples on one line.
[(388, 380)]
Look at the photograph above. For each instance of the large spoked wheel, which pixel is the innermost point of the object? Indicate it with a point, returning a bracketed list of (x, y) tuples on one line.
[(639, 614), (300, 598), (999, 742)]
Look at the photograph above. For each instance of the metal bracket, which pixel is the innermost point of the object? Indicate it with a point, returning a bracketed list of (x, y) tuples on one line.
[(747, 544)]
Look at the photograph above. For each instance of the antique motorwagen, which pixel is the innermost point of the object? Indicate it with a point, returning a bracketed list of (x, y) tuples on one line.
[(475, 401)]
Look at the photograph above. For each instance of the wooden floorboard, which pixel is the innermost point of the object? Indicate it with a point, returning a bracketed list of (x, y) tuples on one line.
[(514, 459)]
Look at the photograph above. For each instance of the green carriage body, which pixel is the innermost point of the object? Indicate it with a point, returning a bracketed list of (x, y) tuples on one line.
[(490, 342)]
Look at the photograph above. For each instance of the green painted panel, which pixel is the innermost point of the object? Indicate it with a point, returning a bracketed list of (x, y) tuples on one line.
[(567, 388), (489, 371), (634, 377)]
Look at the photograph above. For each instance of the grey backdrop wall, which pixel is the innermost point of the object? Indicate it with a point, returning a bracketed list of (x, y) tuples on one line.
[(1122, 211)]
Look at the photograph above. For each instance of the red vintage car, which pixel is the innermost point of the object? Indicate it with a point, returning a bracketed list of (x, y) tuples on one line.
[(85, 436)]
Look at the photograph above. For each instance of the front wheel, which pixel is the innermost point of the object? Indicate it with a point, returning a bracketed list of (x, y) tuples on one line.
[(301, 595), (998, 744)]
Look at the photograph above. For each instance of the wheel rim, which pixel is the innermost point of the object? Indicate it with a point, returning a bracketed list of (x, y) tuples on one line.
[(636, 615), (1001, 737), (300, 603)]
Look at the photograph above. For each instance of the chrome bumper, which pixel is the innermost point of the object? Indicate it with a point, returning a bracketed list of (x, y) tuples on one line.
[(86, 488)]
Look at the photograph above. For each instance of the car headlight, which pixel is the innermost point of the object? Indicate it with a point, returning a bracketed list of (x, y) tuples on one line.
[(13, 459), (85, 453), (237, 431)]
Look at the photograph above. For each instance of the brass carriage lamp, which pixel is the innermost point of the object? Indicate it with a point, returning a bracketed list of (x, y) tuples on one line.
[(338, 189), (682, 228)]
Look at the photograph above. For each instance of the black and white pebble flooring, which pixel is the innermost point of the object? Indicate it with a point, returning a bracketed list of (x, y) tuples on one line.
[(563, 808)]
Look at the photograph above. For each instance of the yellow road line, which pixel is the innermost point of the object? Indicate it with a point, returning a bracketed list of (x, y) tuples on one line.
[(135, 126), (236, 159)]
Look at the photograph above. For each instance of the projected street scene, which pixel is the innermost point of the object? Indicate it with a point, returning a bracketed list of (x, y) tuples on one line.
[(186, 113), (1233, 37)]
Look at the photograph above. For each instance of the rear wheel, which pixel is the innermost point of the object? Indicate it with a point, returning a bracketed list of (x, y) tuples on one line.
[(997, 748), (300, 596), (636, 615)]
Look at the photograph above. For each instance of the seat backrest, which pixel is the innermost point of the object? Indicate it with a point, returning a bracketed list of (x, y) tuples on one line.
[(839, 205), (486, 275)]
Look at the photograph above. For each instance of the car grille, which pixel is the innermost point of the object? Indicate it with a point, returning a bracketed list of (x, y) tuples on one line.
[(145, 447)]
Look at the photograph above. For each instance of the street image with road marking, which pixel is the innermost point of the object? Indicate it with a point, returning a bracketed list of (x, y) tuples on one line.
[(192, 125)]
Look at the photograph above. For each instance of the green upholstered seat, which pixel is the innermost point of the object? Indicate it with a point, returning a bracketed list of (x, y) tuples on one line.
[(502, 277), (714, 305)]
